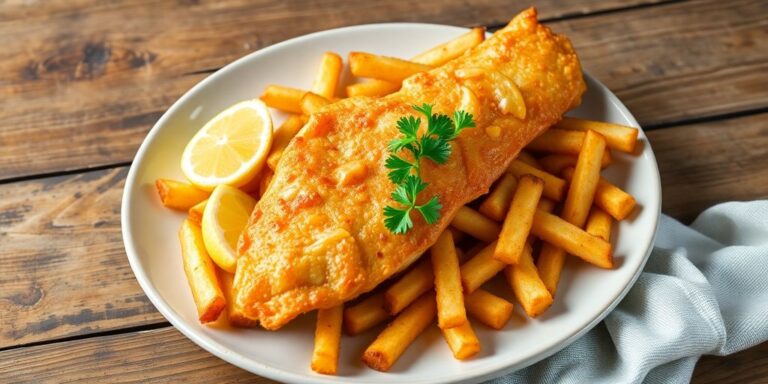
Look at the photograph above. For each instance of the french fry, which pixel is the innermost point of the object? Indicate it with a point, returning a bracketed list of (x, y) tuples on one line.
[(266, 179), (576, 208), (395, 339), (554, 187), (572, 239), (365, 314), (581, 191), (179, 195), (372, 88), (325, 357), (312, 102), (390, 69), (546, 205), (488, 308), (410, 286), (471, 252), (556, 163), (527, 158), (614, 200), (328, 75), (561, 141), (517, 224), (450, 300), (475, 224), (283, 98), (551, 259), (252, 186), (497, 203), (201, 273), (480, 269), (462, 341), (616, 136), (528, 288), (550, 265), (452, 49), (236, 318), (457, 235), (460, 255), (558, 141), (282, 136), (196, 212), (610, 198), (436, 56), (599, 224)]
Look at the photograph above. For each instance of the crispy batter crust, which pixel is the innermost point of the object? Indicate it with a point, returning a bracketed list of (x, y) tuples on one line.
[(316, 239)]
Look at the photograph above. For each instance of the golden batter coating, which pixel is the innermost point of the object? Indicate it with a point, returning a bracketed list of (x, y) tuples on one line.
[(317, 237)]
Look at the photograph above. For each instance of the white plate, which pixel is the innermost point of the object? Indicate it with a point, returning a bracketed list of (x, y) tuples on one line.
[(586, 294)]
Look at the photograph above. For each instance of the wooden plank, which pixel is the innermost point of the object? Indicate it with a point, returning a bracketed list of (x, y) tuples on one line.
[(679, 61), (64, 269), (399, 10), (748, 366), (165, 355), (705, 164), (99, 76), (719, 75), (162, 355), (65, 272)]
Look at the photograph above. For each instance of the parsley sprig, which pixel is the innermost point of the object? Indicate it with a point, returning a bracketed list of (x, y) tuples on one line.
[(434, 144)]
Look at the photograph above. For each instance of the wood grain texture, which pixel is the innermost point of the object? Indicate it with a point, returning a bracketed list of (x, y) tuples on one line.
[(64, 270), (748, 366), (69, 276), (82, 81), (705, 164), (453, 11), (157, 356), (99, 76), (165, 356), (679, 61)]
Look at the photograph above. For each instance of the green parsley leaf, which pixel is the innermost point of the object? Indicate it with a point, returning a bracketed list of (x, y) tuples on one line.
[(413, 185), (425, 109), (399, 168), (436, 149), (440, 126), (397, 220), (434, 144), (409, 126), (402, 196), (398, 144), (430, 210), (463, 120)]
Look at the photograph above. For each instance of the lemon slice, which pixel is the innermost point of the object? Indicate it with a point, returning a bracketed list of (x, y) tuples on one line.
[(225, 216), (231, 148)]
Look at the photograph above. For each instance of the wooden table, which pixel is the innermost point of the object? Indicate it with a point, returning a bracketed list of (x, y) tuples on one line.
[(82, 81)]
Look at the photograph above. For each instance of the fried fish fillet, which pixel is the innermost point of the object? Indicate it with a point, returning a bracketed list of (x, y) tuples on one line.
[(317, 237)]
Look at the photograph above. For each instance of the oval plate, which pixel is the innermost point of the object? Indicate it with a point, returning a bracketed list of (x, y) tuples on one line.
[(586, 293)]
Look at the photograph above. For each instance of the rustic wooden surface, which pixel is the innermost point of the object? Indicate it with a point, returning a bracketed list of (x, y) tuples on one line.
[(81, 82)]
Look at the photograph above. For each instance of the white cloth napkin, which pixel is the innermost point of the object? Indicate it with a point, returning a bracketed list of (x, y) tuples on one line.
[(704, 291)]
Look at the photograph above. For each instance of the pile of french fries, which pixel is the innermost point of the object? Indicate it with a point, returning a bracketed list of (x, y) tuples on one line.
[(551, 202)]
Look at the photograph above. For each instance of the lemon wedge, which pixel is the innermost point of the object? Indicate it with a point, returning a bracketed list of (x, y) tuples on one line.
[(231, 148), (225, 216)]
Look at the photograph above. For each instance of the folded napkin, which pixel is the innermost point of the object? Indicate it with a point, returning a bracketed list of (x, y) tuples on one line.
[(704, 291)]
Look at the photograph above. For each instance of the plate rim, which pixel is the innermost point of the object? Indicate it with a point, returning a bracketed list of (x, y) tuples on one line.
[(273, 373)]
